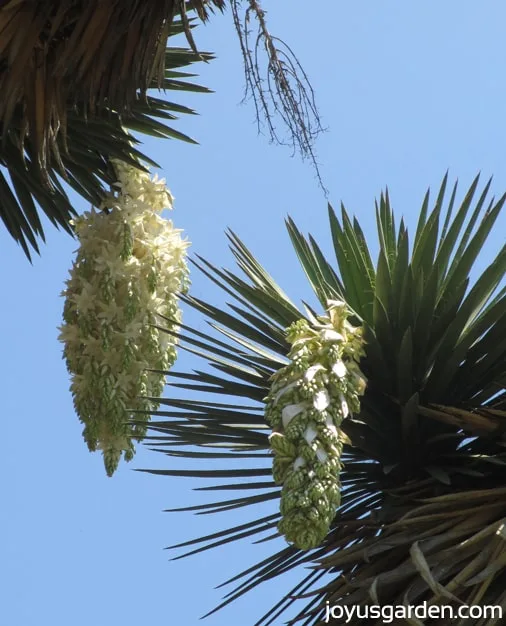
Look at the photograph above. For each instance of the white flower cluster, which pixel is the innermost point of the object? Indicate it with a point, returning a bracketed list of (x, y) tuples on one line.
[(308, 400), (130, 267)]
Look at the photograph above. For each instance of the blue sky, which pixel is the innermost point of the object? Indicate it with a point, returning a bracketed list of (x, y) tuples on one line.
[(407, 91)]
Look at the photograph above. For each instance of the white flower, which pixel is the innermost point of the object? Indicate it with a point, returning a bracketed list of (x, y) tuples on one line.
[(331, 335), (311, 371), (344, 406), (284, 390), (130, 267), (290, 411), (310, 433), (321, 454), (339, 369), (321, 400), (331, 426), (298, 463)]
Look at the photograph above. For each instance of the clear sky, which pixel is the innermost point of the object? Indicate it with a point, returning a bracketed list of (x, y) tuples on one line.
[(407, 90)]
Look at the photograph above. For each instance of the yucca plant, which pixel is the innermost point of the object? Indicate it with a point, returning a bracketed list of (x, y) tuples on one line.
[(75, 79), (67, 129), (422, 482)]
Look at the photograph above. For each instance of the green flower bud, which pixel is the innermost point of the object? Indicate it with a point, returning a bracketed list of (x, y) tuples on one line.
[(307, 402)]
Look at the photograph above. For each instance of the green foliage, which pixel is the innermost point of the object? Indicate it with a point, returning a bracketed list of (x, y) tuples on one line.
[(423, 461), (81, 156)]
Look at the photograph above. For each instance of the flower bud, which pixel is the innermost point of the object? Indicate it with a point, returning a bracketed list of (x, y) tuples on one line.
[(129, 270), (307, 402)]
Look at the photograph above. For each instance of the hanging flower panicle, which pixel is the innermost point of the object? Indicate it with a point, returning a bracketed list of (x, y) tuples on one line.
[(307, 402), (129, 269)]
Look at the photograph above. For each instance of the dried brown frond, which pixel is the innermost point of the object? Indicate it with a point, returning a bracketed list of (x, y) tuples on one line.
[(479, 421), (279, 87), (449, 549)]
